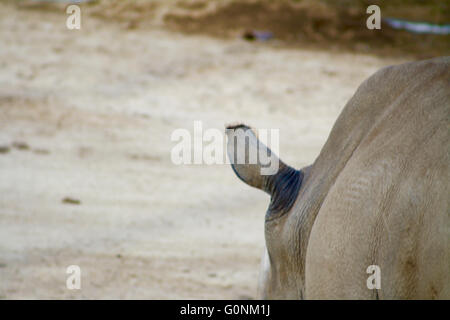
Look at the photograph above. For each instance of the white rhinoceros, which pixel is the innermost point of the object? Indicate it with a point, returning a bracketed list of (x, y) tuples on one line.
[(377, 195)]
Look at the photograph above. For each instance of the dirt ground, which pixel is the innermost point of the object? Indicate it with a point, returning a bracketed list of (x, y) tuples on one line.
[(88, 115)]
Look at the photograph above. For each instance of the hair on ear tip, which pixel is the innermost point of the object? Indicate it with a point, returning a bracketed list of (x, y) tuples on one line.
[(234, 126)]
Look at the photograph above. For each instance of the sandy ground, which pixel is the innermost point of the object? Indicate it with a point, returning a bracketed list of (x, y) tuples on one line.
[(88, 115)]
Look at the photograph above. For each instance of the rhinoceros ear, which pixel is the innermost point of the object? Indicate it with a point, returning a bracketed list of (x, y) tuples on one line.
[(244, 150), (255, 164)]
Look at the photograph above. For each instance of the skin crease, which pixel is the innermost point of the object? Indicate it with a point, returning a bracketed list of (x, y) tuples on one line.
[(377, 194)]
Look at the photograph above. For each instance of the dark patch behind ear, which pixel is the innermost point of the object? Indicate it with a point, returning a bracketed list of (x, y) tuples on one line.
[(283, 188)]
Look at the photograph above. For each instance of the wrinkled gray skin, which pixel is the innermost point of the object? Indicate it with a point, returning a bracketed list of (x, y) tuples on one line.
[(377, 194)]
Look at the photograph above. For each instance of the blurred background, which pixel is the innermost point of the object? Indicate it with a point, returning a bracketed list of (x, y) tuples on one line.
[(86, 117)]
